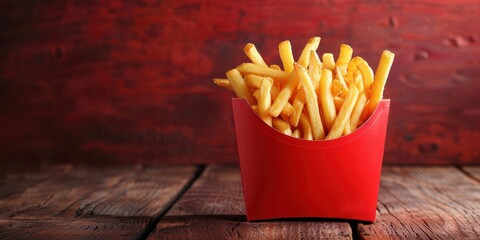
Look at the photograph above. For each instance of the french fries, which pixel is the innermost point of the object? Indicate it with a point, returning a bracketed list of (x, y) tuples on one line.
[(311, 102), (286, 55), (282, 126), (312, 45), (224, 83), (264, 100), (328, 61), (298, 104), (284, 95), (343, 58), (252, 68), (239, 85), (357, 111), (311, 99), (326, 98), (341, 121), (253, 81), (383, 69), (254, 55), (367, 76), (315, 68)]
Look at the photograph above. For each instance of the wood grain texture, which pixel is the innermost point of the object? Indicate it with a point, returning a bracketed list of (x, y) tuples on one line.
[(78, 202), (213, 208), (425, 203), (15, 182), (49, 229), (121, 192), (473, 171), (130, 81)]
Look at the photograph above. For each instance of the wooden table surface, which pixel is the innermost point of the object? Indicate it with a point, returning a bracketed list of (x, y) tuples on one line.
[(206, 202)]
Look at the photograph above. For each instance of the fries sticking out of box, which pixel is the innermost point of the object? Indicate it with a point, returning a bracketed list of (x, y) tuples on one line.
[(311, 98)]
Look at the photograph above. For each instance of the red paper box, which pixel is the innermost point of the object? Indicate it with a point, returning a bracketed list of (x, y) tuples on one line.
[(286, 177)]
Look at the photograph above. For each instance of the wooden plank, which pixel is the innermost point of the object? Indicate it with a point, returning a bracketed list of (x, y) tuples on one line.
[(128, 80), (72, 228), (14, 181), (473, 171), (425, 203), (107, 191), (213, 208)]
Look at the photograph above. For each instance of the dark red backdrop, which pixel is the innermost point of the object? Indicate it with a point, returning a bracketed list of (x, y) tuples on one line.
[(131, 80)]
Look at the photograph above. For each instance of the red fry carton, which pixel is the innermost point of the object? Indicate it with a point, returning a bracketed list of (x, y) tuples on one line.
[(286, 177)]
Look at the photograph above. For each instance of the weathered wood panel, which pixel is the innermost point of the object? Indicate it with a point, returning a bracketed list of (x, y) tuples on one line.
[(474, 172), (425, 203), (130, 80), (78, 228), (16, 182), (85, 191), (67, 202), (213, 208)]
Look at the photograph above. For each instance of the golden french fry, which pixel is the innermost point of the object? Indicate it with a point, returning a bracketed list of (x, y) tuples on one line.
[(224, 83), (305, 126), (275, 66), (297, 104), (253, 81), (367, 76), (288, 110), (347, 130), (252, 68), (320, 108), (254, 55), (282, 126), (328, 61), (256, 94), (340, 78), (358, 60), (310, 102), (336, 87), (299, 86), (358, 81), (296, 133), (286, 55), (381, 75), (264, 100), (344, 114), (343, 58), (284, 117), (326, 98), (344, 93), (312, 44), (255, 108), (315, 68), (239, 85), (282, 99), (338, 101), (274, 92), (357, 111), (294, 93), (365, 115), (352, 67)]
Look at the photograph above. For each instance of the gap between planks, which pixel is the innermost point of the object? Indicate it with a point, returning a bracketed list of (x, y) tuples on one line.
[(88, 196), (156, 219), (213, 208), (471, 172)]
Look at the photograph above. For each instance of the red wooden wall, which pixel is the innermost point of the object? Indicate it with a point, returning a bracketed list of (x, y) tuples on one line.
[(130, 81)]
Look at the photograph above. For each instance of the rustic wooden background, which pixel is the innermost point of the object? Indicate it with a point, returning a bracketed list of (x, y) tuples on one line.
[(130, 81)]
